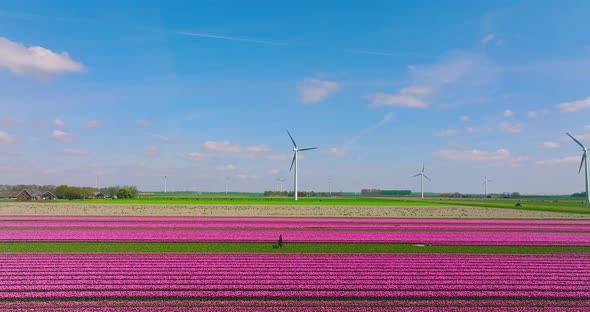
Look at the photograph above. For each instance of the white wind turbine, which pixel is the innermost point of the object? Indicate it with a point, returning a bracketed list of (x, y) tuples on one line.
[(422, 176), (296, 151), (485, 185), (584, 163)]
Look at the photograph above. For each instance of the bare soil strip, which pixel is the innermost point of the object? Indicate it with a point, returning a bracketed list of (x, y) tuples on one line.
[(41, 209)]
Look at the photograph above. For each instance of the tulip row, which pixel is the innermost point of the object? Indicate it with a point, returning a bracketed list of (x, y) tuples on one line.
[(153, 229), (298, 281)]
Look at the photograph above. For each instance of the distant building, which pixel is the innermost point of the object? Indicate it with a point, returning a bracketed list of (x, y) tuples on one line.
[(35, 195), (99, 195), (48, 196), (8, 194)]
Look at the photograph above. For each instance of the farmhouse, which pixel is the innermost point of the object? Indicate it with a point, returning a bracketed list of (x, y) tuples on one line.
[(35, 195), (99, 195)]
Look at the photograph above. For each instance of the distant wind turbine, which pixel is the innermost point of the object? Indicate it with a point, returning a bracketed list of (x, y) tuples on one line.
[(422, 176), (584, 163), (485, 185), (281, 183), (296, 151)]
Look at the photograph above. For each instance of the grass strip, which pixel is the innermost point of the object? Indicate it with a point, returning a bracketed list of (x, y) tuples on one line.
[(288, 248)]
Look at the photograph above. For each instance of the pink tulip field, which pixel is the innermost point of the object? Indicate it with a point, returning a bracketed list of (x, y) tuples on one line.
[(419, 231), (285, 280), (300, 282)]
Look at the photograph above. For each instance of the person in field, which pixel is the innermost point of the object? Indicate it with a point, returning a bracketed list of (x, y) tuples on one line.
[(281, 241)]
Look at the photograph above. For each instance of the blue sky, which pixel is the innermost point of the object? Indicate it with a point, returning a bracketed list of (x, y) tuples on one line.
[(133, 91)]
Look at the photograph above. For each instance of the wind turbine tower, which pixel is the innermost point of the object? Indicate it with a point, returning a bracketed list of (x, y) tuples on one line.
[(584, 163), (296, 151), (422, 176), (485, 186)]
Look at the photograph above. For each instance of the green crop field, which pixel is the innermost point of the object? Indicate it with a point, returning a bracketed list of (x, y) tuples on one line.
[(268, 247), (551, 204)]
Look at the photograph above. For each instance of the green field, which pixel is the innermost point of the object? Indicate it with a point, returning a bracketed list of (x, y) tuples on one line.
[(268, 248), (567, 205)]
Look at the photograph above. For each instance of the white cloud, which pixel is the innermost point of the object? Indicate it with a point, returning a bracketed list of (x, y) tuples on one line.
[(478, 155), (447, 133), (385, 120), (75, 151), (222, 146), (144, 122), (570, 107), (487, 38), (243, 176), (258, 148), (94, 124), (313, 90), (152, 151), (274, 171), (35, 60), (7, 138), (464, 118), (7, 122), (334, 151), (564, 160), (508, 113), (532, 114), (195, 156), (514, 128), (229, 167), (587, 127), (61, 136), (283, 156), (408, 97), (550, 144), (58, 123)]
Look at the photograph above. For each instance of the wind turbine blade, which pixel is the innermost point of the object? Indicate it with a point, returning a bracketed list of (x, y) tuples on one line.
[(293, 161), (307, 149), (294, 144), (581, 145), (582, 162), (422, 168), (416, 175), (427, 178)]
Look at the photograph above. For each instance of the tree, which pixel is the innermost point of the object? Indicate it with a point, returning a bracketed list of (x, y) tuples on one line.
[(126, 192)]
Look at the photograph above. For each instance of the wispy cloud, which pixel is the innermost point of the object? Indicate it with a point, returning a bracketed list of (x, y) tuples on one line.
[(411, 97), (35, 60), (193, 156), (61, 136), (564, 160), (229, 38), (313, 90), (508, 113), (75, 151), (550, 144), (386, 119), (512, 128), (258, 148), (447, 133), (58, 123), (229, 167), (168, 139), (571, 107), (464, 118), (334, 151), (479, 155), (222, 146), (283, 157), (144, 122), (7, 138), (152, 151), (94, 124)]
